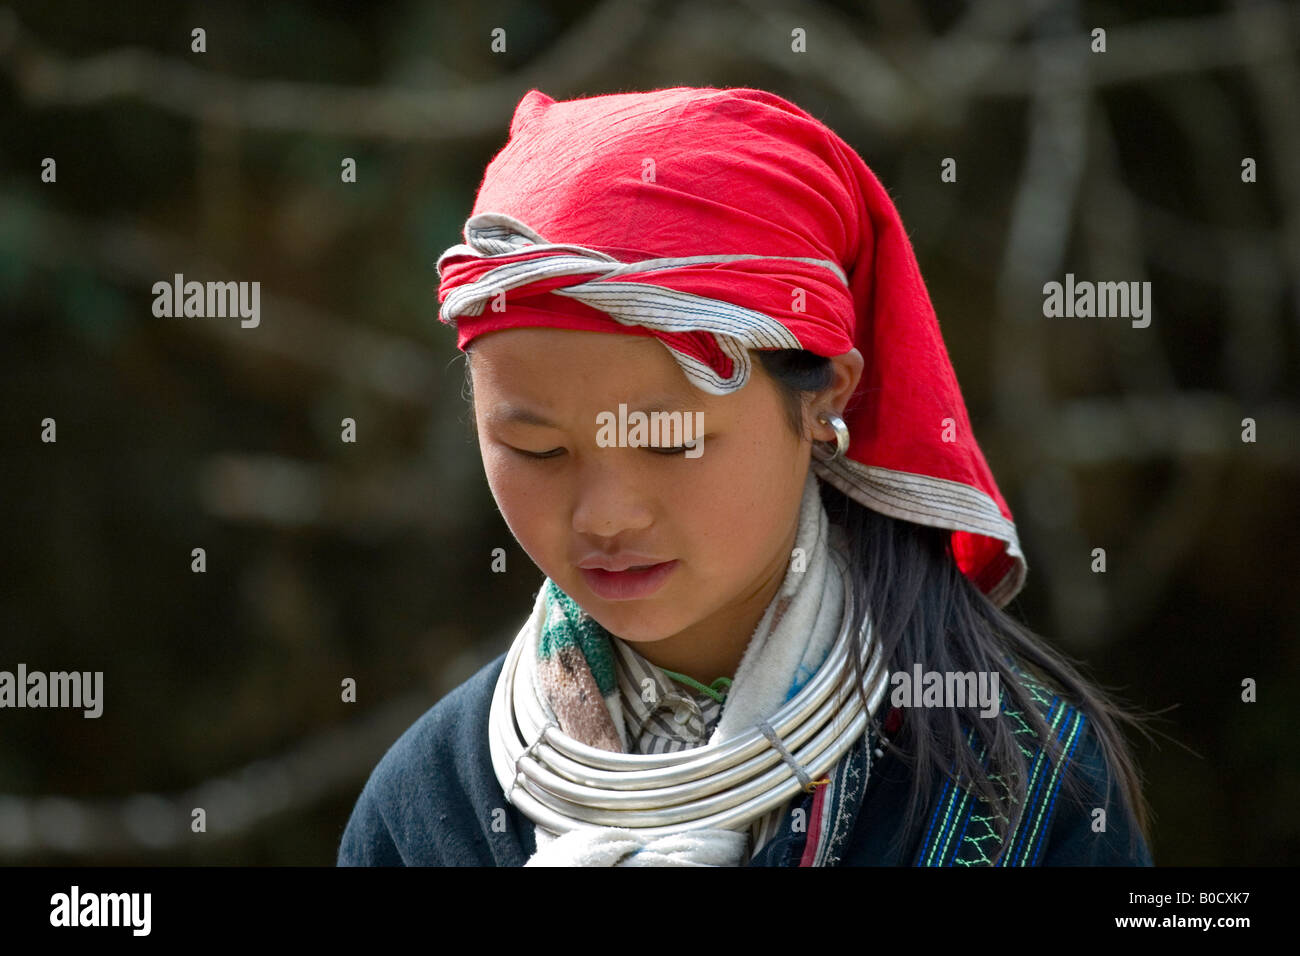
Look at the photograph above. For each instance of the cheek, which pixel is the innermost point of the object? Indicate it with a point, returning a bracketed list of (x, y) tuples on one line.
[(723, 508), (521, 499)]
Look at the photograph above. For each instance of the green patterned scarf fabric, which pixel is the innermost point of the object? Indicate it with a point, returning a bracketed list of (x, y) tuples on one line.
[(575, 666)]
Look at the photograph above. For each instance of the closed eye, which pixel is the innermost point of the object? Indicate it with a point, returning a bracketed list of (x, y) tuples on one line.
[(556, 452), (536, 455), (674, 451)]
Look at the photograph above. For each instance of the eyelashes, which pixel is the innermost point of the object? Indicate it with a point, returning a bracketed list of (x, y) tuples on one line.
[(536, 455), (556, 452)]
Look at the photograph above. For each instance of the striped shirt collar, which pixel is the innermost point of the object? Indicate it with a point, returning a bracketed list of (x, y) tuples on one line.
[(660, 714), (653, 701)]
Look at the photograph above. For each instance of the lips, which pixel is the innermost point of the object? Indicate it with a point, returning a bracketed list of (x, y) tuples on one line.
[(624, 561), (628, 584)]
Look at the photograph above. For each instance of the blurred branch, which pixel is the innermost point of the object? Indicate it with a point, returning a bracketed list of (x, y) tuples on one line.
[(1135, 52), (979, 57), (975, 45), (1112, 232), (284, 492), (1162, 543), (868, 83), (1136, 428), (1041, 217), (1249, 264), (46, 79), (1269, 29), (325, 764), (976, 59), (399, 369)]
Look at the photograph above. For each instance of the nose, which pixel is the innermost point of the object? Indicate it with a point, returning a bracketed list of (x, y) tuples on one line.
[(610, 499)]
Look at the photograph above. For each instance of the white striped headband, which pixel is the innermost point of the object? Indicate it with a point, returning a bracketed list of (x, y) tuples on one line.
[(734, 327)]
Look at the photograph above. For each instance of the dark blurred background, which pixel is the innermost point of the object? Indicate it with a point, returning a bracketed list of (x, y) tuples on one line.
[(370, 560)]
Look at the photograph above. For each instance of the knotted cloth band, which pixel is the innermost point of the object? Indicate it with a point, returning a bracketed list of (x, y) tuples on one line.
[(717, 363), (724, 220), (805, 779)]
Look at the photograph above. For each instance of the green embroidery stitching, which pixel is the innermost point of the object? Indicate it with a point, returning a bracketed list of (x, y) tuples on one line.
[(979, 844)]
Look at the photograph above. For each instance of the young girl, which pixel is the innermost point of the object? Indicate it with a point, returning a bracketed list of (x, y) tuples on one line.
[(715, 409)]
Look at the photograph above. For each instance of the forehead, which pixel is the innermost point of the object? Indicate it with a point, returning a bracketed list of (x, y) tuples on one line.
[(553, 361), (549, 375)]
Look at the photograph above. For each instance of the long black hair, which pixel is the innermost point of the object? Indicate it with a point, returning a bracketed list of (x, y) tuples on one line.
[(925, 610)]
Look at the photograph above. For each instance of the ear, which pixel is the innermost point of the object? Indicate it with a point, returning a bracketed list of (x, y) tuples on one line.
[(847, 372)]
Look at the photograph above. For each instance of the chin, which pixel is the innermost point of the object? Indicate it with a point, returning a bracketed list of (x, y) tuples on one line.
[(638, 636), (633, 624)]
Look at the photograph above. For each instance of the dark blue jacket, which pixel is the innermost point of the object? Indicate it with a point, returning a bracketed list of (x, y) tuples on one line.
[(433, 798)]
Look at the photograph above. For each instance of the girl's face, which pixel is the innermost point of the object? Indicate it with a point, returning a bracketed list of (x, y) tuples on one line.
[(726, 520)]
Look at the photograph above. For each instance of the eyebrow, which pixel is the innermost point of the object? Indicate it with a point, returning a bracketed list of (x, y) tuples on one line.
[(508, 414)]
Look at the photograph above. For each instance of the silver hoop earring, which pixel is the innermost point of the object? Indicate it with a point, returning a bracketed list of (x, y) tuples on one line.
[(828, 451)]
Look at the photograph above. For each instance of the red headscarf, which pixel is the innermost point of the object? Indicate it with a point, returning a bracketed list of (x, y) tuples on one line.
[(719, 220)]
